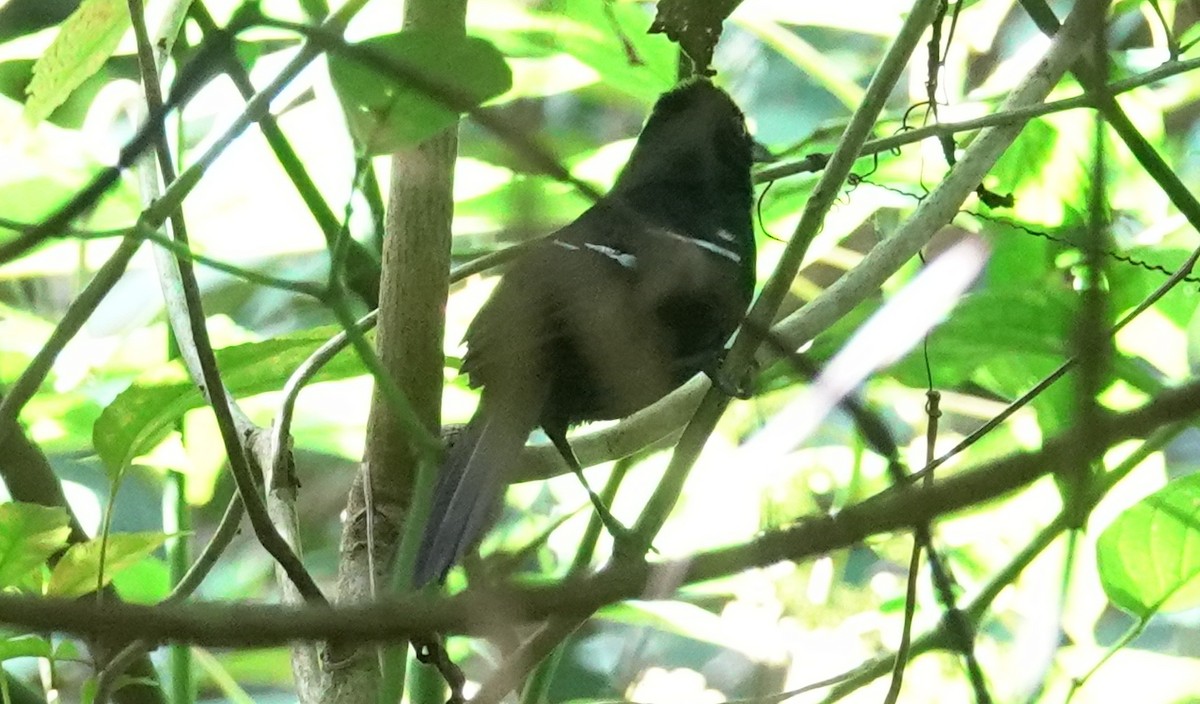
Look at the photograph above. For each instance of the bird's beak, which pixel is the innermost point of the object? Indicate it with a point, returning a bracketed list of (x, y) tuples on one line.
[(760, 154)]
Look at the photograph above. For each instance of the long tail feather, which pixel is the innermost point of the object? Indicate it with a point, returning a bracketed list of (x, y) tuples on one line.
[(470, 487)]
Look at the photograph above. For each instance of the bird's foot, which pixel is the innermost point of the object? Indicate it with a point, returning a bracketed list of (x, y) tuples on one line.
[(712, 367), (730, 388), (626, 543), (740, 389)]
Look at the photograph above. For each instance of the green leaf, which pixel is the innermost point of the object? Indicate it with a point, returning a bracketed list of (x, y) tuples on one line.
[(443, 75), (1020, 259), (1148, 268), (147, 581), (87, 691), (142, 415), (1005, 320), (1149, 557), (1005, 339), (1011, 374), (986, 326), (1190, 36), (1045, 168), (25, 647), (77, 573), (67, 650), (85, 41), (29, 535), (1029, 153)]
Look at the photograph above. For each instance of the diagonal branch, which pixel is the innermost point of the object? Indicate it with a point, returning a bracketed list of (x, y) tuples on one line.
[(188, 321), (763, 311)]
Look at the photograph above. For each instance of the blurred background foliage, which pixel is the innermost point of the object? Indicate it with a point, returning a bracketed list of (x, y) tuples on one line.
[(584, 73)]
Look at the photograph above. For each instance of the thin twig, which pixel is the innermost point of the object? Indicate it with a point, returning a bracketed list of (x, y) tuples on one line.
[(1003, 578), (191, 78), (763, 311), (363, 272), (1015, 116), (186, 313), (72, 321)]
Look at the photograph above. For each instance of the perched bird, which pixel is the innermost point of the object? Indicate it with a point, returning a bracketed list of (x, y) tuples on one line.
[(608, 314)]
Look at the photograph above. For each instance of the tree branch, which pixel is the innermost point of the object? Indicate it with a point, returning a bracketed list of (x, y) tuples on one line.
[(243, 625)]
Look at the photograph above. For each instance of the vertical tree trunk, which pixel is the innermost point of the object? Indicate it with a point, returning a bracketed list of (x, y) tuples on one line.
[(412, 302)]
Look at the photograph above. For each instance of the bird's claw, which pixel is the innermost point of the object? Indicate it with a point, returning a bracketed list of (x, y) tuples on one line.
[(742, 391), (626, 543)]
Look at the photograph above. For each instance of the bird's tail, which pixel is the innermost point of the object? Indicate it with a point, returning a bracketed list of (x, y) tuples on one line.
[(470, 486)]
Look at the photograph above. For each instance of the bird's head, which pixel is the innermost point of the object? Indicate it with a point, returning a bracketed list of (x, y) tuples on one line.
[(696, 135)]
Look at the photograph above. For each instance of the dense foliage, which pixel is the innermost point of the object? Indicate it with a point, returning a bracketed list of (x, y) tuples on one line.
[(1059, 557)]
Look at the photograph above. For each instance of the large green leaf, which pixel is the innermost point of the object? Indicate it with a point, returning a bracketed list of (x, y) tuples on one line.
[(1027, 155), (1005, 339), (986, 326), (26, 646), (142, 415), (1141, 271), (78, 572), (147, 581), (387, 111), (29, 535), (1019, 257), (1149, 557), (85, 41)]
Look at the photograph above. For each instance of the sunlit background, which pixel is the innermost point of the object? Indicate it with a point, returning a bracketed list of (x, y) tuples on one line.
[(584, 76)]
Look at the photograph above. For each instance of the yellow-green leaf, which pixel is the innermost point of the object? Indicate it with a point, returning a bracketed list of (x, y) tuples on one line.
[(77, 573), (29, 535), (84, 42)]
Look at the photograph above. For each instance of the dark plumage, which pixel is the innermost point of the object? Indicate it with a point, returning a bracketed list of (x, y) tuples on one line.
[(608, 314)]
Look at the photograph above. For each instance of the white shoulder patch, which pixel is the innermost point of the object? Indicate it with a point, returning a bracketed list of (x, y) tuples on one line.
[(708, 246), (625, 259)]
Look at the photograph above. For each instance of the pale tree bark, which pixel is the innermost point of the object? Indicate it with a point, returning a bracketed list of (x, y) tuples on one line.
[(412, 301)]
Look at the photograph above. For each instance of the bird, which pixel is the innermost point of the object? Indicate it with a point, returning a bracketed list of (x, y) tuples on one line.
[(608, 314)]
